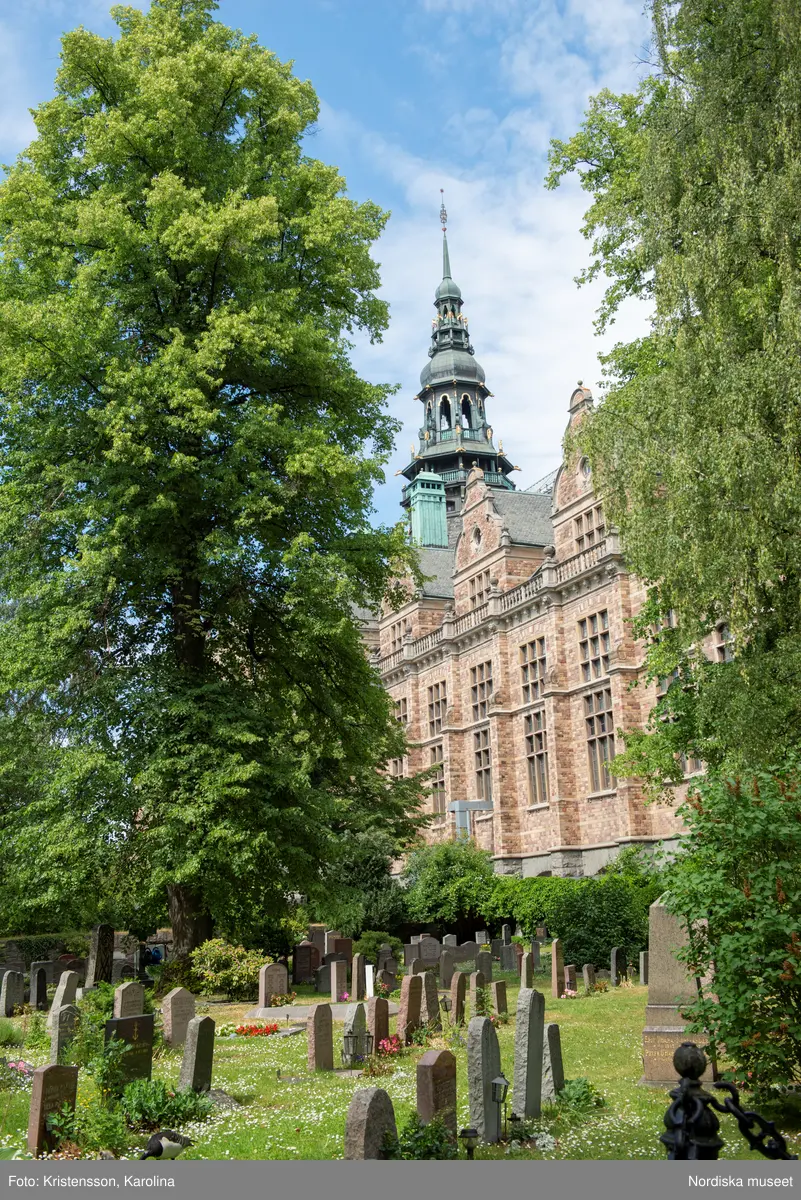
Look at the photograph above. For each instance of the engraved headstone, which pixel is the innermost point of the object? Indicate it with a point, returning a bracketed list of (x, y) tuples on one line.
[(331, 936), (499, 997), (436, 1088), (344, 946), (378, 1020), (358, 980), (12, 993), (370, 1118), (588, 971), (411, 998), (429, 949), (506, 935), (527, 971), (320, 1034), (177, 1010), (483, 1065), (129, 999), (305, 961), (557, 970), (429, 1007), (198, 1059), (529, 1032), (416, 966), (553, 1073), (570, 977), (482, 937), (496, 945), (535, 954), (618, 969), (137, 1033), (101, 956), (317, 938), (38, 977), (339, 981), (65, 1023), (508, 958), (446, 969), (478, 997), (53, 1087), (65, 994), (450, 939), (273, 981), (484, 964)]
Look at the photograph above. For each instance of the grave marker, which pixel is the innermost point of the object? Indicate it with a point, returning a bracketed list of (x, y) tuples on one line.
[(529, 1032), (450, 939), (429, 1008), (369, 980), (177, 1010), (370, 1118), (65, 1024), (129, 999), (553, 1073), (52, 1088), (331, 936), (320, 1034), (305, 961), (499, 997), (588, 971), (273, 981), (446, 969), (508, 958), (618, 968), (409, 1010), (198, 1060), (478, 986), (483, 1065), (557, 970), (65, 994), (357, 977), (436, 1088), (527, 971), (339, 980), (458, 990), (378, 1020), (506, 935), (137, 1033), (570, 978), (643, 968), (356, 1026), (535, 954), (484, 964), (12, 992)]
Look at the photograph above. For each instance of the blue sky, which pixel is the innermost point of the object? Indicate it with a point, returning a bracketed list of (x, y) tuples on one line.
[(418, 95)]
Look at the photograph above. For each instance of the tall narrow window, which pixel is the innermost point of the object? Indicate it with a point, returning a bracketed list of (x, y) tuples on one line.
[(723, 643), (600, 738), (594, 646), (532, 669), (478, 588), (437, 703), (396, 636), (438, 779), (480, 689), (483, 757), (402, 710), (445, 413), (537, 755), (397, 768), (466, 422), (590, 527)]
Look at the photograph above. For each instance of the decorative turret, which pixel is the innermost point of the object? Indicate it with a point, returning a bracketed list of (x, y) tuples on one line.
[(456, 434)]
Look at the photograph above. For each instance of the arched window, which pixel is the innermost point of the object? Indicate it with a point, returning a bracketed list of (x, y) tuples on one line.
[(466, 421), (445, 413)]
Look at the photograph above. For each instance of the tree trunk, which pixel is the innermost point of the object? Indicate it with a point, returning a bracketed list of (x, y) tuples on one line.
[(191, 923)]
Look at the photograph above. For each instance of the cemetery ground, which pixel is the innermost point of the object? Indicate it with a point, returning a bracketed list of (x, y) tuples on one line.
[(285, 1111)]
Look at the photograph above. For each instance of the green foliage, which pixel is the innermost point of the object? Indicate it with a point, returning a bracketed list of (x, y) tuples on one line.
[(178, 973), (61, 1124), (227, 970), (737, 887), (149, 1104), (186, 473), (362, 893), (695, 206), (99, 1126), (449, 882), (108, 1070), (35, 1031), (417, 1141), (527, 901), (35, 949), (371, 942), (10, 1034), (580, 1095)]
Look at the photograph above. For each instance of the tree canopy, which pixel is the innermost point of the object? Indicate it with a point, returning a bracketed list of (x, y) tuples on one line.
[(696, 447), (187, 459)]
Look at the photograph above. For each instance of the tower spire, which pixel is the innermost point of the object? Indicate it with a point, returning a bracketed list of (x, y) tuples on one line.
[(443, 217)]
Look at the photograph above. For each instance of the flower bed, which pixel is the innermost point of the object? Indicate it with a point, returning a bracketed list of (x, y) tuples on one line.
[(256, 1030)]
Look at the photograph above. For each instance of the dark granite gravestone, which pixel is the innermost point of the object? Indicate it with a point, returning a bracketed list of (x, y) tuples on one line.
[(305, 961), (38, 996), (137, 1033)]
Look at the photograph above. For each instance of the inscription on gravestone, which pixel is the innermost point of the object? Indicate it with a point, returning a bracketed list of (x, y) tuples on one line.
[(137, 1033), (53, 1087)]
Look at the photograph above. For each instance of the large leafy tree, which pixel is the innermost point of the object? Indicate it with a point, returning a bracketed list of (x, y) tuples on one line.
[(186, 465), (696, 207)]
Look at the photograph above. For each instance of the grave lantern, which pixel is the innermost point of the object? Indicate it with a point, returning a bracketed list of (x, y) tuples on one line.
[(470, 1139), (500, 1086), (356, 1047)]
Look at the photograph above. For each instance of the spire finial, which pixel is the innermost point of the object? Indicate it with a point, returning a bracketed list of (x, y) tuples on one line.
[(443, 212)]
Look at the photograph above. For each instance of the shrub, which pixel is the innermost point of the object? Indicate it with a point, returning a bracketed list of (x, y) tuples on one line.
[(99, 1126), (107, 1070), (448, 883), (736, 887), (418, 1141), (10, 1035), (581, 1095), (371, 941), (229, 970), (175, 974), (149, 1104)]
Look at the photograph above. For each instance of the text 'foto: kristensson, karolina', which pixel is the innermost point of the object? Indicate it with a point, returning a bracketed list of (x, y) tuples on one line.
[(753, 1181), (92, 1181)]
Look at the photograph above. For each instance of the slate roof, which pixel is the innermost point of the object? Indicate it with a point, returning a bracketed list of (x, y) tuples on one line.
[(439, 563), (527, 516)]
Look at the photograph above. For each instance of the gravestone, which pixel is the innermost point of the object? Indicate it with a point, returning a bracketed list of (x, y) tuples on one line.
[(65, 994), (519, 952), (557, 970), (101, 956), (322, 978), (391, 965), (305, 961), (388, 980), (416, 966), (52, 1088), (465, 952), (38, 997), (129, 999), (481, 937), (64, 1026), (198, 1059), (411, 998), (496, 945), (370, 1118), (378, 1020), (415, 938), (339, 980), (446, 969), (358, 981), (499, 997), (483, 1065), (484, 964), (320, 1035), (541, 933), (643, 968), (535, 954), (458, 990), (429, 949), (410, 954), (450, 939), (369, 980), (137, 1033), (506, 935), (478, 986), (385, 952), (317, 939), (570, 978), (273, 981), (670, 987), (344, 946), (508, 958), (588, 971), (177, 1010), (12, 992), (553, 1073), (527, 971), (618, 968), (429, 1007), (529, 1033), (436, 1088), (356, 1026), (331, 936)]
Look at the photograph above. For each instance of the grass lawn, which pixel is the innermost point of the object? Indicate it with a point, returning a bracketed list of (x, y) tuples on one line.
[(301, 1115)]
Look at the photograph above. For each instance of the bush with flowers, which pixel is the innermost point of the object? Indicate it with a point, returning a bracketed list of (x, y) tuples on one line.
[(280, 999), (256, 1030), (390, 1047), (15, 1076)]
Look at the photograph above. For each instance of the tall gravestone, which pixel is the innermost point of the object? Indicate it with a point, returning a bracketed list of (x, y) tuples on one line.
[(64, 1026), (198, 1059), (458, 992), (416, 966), (378, 1020), (553, 1072), (53, 1087), (429, 1007), (12, 993), (529, 1034), (369, 980), (317, 938), (484, 964), (446, 968), (557, 970), (436, 1088), (339, 980), (588, 971), (273, 981), (305, 961), (358, 978), (369, 1119), (478, 999), (670, 987), (508, 957), (570, 978), (177, 1010), (129, 999), (618, 969), (643, 968), (450, 939), (411, 998), (527, 971), (506, 935), (100, 962), (535, 954), (483, 1065), (355, 1027), (65, 994), (38, 977), (499, 997), (331, 935), (320, 1034), (344, 946)]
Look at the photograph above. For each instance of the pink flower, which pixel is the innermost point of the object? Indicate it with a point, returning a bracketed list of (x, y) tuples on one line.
[(344, 997)]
